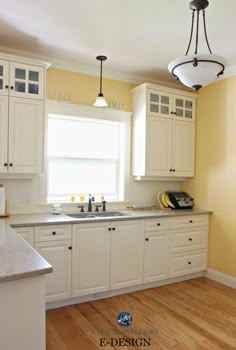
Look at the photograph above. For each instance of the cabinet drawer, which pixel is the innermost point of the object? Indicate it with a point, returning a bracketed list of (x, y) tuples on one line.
[(189, 221), (157, 224), (185, 240), (188, 263), (52, 233)]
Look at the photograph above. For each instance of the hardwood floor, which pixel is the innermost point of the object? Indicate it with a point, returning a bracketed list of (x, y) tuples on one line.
[(197, 314)]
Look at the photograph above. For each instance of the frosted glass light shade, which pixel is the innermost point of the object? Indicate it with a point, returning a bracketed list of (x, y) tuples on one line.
[(100, 102), (205, 72)]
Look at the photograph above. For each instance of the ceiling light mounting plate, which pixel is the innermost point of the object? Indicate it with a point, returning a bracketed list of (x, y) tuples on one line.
[(101, 58), (198, 5)]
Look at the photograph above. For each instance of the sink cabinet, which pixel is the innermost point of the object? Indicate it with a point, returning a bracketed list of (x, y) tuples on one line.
[(90, 259)]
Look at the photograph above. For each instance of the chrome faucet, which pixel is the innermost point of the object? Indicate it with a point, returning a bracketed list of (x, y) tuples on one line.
[(90, 200)]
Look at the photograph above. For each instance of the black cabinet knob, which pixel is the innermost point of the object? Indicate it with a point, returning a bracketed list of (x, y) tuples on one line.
[(113, 228), (189, 262), (190, 221), (11, 164), (109, 229), (5, 164), (158, 224), (171, 170), (70, 248), (190, 239), (12, 87), (147, 239), (6, 87), (54, 233)]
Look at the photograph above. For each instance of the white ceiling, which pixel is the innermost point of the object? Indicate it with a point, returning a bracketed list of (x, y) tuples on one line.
[(140, 37)]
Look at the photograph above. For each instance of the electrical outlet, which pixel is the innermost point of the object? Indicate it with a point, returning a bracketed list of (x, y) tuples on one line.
[(25, 197)]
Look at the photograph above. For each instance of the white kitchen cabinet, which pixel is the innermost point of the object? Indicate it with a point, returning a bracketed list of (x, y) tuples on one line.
[(156, 252), (166, 104), (90, 259), (27, 233), (53, 242), (188, 244), (163, 133), (58, 254), (127, 248), (22, 80), (22, 94)]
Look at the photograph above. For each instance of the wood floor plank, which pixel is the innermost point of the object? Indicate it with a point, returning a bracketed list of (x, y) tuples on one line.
[(198, 314)]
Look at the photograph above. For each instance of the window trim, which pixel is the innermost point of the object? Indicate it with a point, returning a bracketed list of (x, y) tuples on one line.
[(68, 109)]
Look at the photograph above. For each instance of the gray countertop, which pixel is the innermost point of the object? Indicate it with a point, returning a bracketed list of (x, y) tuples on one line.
[(50, 219), (19, 260)]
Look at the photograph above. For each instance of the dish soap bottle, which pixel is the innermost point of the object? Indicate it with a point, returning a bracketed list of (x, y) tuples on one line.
[(2, 200)]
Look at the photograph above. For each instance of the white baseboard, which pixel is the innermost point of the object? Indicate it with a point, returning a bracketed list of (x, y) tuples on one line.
[(220, 277), (112, 293)]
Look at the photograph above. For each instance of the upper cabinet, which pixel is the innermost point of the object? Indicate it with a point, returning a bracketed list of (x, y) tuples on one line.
[(22, 95), (21, 80), (166, 105), (163, 133)]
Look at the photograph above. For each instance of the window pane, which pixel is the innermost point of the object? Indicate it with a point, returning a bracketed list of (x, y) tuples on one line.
[(33, 89), (19, 87), (1, 71), (68, 177), (73, 137), (154, 108), (20, 73), (33, 76), (154, 98)]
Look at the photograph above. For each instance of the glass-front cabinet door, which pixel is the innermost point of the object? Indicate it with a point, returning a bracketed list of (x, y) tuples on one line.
[(26, 81), (183, 108), (158, 103), (4, 76)]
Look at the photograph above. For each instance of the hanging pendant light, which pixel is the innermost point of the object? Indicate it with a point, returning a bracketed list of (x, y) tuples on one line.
[(100, 100), (197, 70)]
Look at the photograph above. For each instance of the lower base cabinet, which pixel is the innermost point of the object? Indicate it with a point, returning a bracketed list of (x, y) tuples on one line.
[(127, 243), (58, 254), (90, 259), (54, 244)]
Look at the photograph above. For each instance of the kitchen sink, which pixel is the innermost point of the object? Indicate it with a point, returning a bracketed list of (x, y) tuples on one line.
[(97, 215)]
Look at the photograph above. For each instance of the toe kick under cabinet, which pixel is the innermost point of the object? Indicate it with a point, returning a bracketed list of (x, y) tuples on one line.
[(188, 245)]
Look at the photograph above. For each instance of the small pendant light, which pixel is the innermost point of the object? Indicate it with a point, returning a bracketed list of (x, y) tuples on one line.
[(100, 100)]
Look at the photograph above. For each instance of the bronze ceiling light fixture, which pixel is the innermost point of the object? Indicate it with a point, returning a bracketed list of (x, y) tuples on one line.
[(100, 100), (197, 70)]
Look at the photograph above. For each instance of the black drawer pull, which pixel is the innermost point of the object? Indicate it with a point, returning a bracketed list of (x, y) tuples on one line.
[(191, 221), (109, 229), (54, 233), (158, 224), (190, 239), (147, 239), (12, 87), (113, 228), (11, 164), (6, 87), (189, 262), (70, 248), (5, 164)]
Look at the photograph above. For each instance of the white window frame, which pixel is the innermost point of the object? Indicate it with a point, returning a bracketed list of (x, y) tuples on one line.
[(53, 107)]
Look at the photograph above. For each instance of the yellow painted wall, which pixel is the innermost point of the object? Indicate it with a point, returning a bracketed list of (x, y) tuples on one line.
[(214, 186), (83, 89)]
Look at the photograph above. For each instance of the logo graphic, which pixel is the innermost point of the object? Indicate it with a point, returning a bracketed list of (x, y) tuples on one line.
[(124, 319)]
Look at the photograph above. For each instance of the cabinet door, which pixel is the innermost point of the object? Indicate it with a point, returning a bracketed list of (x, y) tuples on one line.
[(90, 259), (159, 146), (58, 254), (183, 149), (183, 108), (27, 233), (156, 259), (158, 103), (25, 135), (127, 245), (4, 77), (26, 81), (3, 133)]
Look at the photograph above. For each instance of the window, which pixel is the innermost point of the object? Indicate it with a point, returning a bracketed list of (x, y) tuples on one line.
[(85, 155)]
